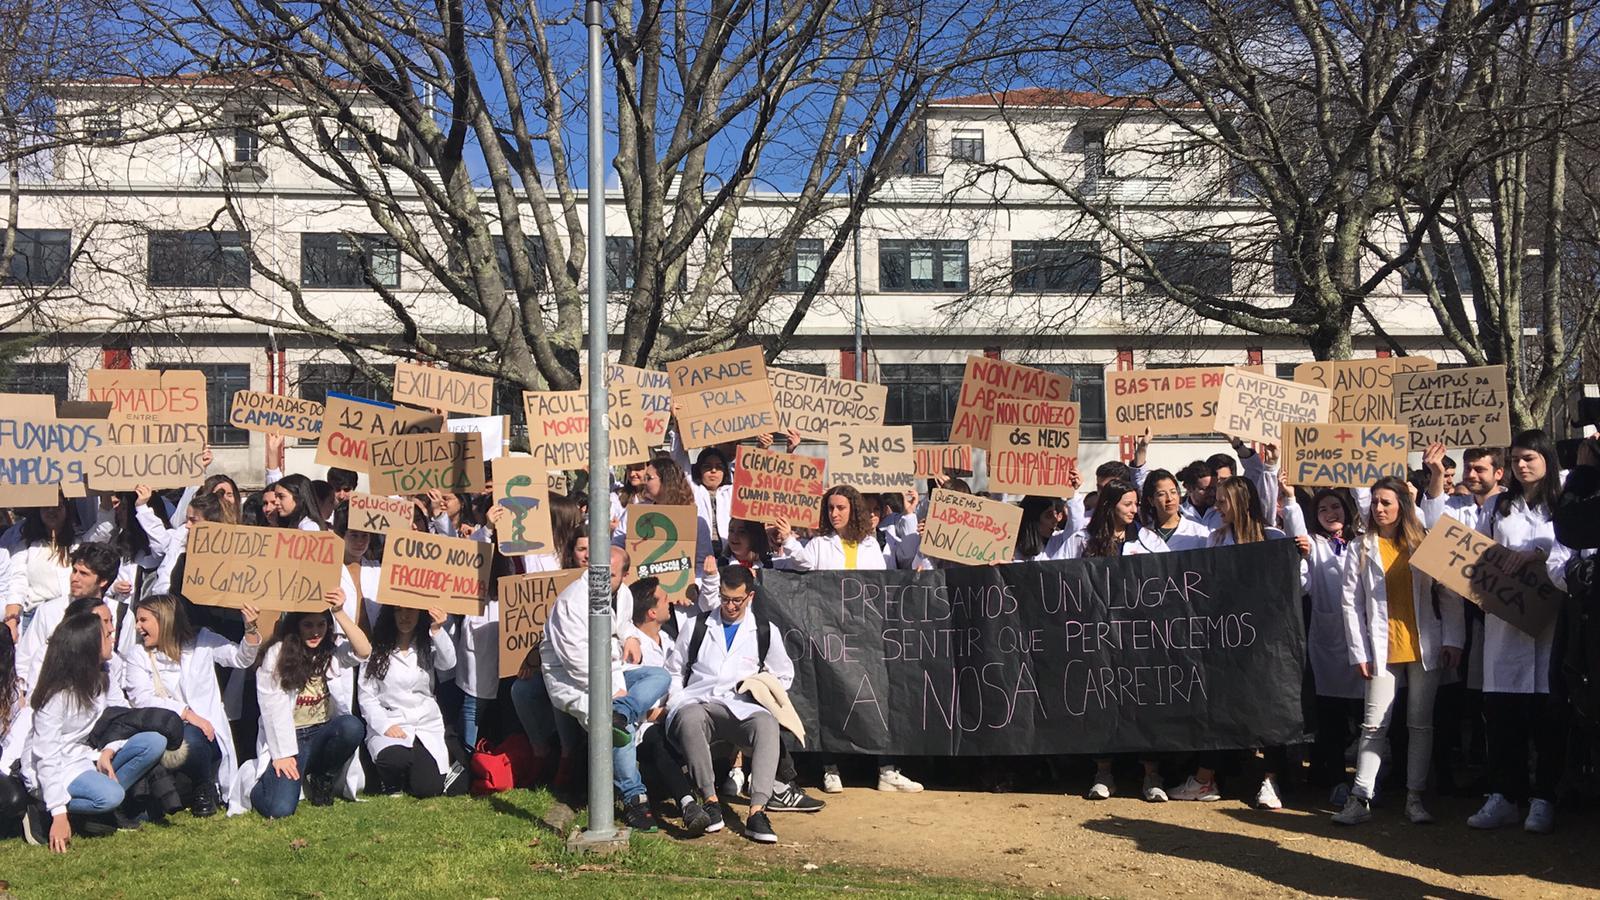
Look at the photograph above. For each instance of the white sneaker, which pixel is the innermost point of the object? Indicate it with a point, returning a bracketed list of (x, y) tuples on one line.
[(890, 780), (1103, 787), (1355, 812), (1154, 791), (1415, 811), (1541, 817), (1267, 795), (831, 782), (1497, 812), (1194, 790)]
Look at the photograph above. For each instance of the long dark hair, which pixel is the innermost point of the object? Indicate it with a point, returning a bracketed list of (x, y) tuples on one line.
[(566, 520), (1029, 542), (129, 538), (72, 662), (1546, 492), (305, 502), (297, 663), (711, 458), (1352, 518), (1147, 495), (386, 637), (10, 692), (1102, 528), (34, 531)]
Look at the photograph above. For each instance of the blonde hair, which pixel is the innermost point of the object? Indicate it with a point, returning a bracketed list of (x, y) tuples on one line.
[(1244, 512), (173, 622), (1408, 528)]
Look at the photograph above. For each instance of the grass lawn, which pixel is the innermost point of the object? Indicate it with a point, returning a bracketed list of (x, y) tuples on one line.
[(391, 847)]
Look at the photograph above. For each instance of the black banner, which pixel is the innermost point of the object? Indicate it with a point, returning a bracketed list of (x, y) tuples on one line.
[(1198, 650)]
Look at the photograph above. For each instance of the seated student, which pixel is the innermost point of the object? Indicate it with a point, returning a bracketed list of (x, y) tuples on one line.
[(405, 729), (93, 569), (16, 723), (557, 741), (713, 658), (74, 776), (308, 734), (564, 658), (659, 766), (175, 667)]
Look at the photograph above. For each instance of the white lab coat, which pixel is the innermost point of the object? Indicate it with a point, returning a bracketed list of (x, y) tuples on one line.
[(901, 540), (1327, 645), (59, 748), (36, 640), (1515, 662), (405, 697), (825, 552), (276, 738), (720, 667), (361, 600), (714, 510), (19, 728), (1209, 519), (192, 683), (1366, 611), (564, 651), (20, 590), (1191, 535), (1070, 546), (659, 652)]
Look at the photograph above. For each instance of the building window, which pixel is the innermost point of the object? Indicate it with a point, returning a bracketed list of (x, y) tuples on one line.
[(1204, 267), (914, 158), (246, 139), (808, 368), (202, 259), (966, 145), (1283, 277), (1071, 267), (223, 380), (939, 266), (42, 257), (922, 396), (796, 273), (103, 126), (537, 260), (1094, 153), (1411, 280), (317, 379), (620, 266), (1089, 392), (348, 139), (329, 260), (37, 378)]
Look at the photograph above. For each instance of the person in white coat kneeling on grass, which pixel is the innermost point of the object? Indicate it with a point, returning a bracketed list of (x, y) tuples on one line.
[(715, 656)]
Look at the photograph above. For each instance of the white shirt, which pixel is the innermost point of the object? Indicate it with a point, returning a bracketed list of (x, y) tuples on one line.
[(720, 668), (404, 698), (1515, 662)]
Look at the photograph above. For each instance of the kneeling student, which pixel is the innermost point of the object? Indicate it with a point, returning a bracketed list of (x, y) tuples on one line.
[(715, 656), (405, 729)]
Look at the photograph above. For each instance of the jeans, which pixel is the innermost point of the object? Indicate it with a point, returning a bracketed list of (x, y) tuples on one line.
[(203, 756), (472, 710), (1381, 689), (324, 750), (646, 686), (1512, 720), (93, 792), (540, 719)]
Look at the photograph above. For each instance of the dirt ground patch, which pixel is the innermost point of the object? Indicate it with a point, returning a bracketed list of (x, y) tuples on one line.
[(1123, 847)]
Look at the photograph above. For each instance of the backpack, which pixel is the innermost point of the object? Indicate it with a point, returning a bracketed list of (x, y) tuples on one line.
[(503, 766), (763, 641)]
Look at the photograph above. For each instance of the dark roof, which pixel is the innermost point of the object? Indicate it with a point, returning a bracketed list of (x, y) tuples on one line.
[(1054, 98), (210, 79)]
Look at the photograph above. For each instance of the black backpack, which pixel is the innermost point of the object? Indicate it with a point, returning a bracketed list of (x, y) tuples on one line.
[(763, 641)]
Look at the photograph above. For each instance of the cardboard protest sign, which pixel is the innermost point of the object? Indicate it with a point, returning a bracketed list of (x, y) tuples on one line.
[(558, 431), (521, 487), (380, 515), (418, 463), (432, 388), (426, 571), (647, 393), (941, 459), (873, 460), (971, 530), (40, 460), (281, 569), (1491, 575), (1347, 454), (276, 414), (768, 485), (1166, 401), (1033, 447), (815, 404), (1454, 407), (350, 423), (661, 542), (152, 407), (493, 429), (556, 482), (123, 467), (987, 379), (525, 602), (722, 397), (37, 407), (1362, 389), (1251, 407)]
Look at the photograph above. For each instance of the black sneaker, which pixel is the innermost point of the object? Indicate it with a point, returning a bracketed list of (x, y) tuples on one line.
[(319, 789), (453, 778), (695, 819), (96, 825), (36, 825), (205, 801), (793, 799), (126, 822), (714, 813), (758, 829), (638, 816)]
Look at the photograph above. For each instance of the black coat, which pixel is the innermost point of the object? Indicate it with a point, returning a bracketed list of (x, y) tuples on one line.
[(118, 723)]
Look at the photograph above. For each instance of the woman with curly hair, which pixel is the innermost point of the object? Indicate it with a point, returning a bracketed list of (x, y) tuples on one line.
[(405, 729)]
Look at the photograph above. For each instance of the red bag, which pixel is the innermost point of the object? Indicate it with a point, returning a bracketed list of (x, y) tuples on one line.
[(525, 768), (491, 770)]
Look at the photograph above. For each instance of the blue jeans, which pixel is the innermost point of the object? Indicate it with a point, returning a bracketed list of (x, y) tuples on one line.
[(473, 711), (92, 792), (203, 756), (540, 719), (324, 749), (646, 686)]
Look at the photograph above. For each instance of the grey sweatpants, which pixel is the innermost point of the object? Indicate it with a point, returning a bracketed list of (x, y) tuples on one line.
[(696, 726)]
